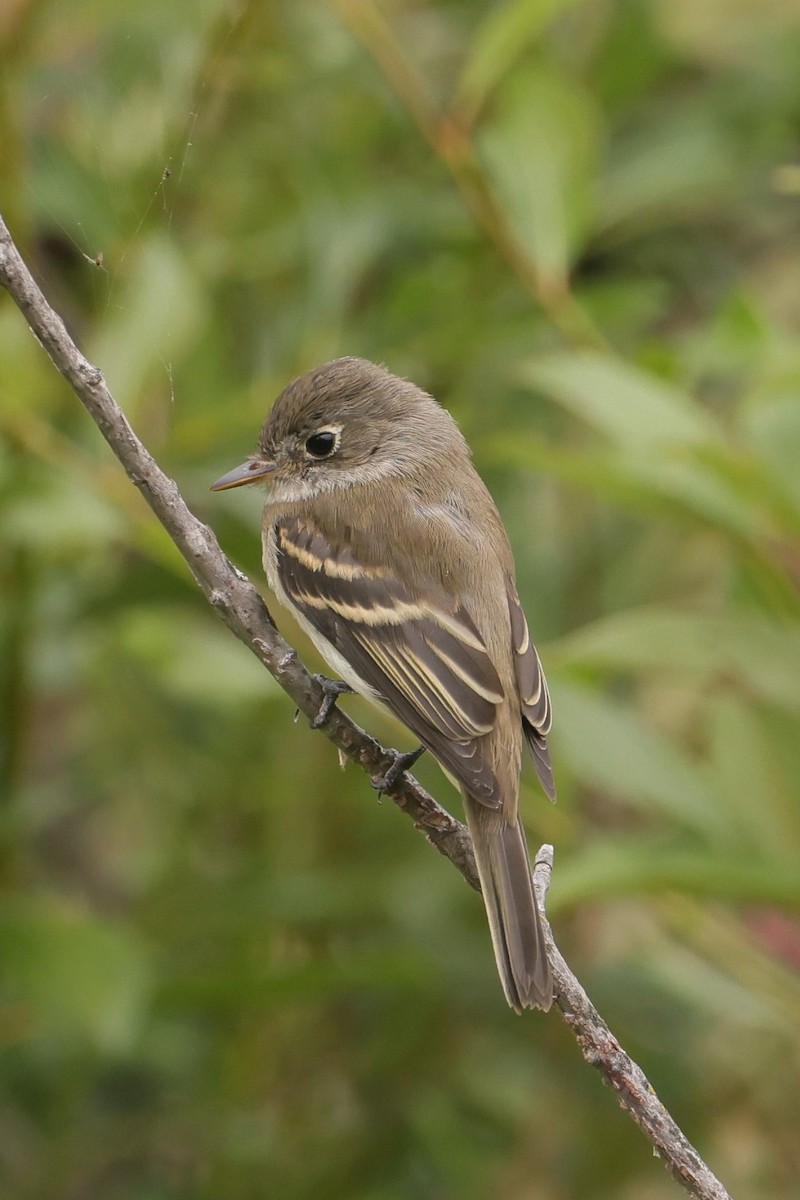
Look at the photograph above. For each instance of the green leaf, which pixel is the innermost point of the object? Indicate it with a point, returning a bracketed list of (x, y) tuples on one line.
[(699, 489), (773, 426), (679, 164), (157, 308), (666, 444), (637, 866), (505, 33), (607, 746), (759, 656), (196, 660), (539, 149), (636, 411), (61, 518), (749, 777)]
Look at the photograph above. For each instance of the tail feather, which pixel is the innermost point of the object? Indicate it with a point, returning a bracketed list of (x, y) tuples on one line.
[(501, 854)]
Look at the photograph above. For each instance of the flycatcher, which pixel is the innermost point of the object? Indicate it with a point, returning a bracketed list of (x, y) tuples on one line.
[(386, 545)]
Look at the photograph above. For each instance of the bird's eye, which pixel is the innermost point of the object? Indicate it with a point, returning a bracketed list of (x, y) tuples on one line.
[(322, 444)]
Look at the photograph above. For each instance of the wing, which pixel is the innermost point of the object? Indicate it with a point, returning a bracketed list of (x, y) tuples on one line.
[(427, 664), (537, 714)]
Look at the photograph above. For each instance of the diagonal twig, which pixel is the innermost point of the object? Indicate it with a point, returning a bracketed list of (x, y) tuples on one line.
[(242, 609)]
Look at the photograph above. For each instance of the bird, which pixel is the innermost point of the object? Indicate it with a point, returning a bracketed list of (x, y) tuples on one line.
[(385, 544)]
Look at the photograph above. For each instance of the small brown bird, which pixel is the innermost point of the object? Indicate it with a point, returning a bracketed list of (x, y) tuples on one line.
[(386, 545)]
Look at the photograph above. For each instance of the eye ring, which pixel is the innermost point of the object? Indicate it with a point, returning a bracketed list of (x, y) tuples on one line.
[(323, 443)]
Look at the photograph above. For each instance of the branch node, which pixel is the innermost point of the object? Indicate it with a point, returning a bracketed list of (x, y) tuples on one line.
[(543, 873), (93, 375), (287, 660)]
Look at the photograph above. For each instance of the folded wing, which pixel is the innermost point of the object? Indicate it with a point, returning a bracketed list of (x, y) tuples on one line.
[(428, 664), (537, 714)]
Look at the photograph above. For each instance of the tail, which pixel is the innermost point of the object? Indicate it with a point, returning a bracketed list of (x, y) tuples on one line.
[(501, 854)]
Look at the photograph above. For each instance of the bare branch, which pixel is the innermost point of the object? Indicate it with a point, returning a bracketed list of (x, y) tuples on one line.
[(600, 1048), (244, 612), (227, 590)]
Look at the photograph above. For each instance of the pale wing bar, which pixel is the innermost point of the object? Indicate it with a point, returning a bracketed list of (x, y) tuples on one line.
[(430, 668)]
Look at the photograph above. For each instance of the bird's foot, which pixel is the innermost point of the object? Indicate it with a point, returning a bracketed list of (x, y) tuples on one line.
[(332, 689), (400, 762)]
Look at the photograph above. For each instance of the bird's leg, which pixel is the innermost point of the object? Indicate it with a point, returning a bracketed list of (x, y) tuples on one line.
[(332, 689), (400, 762)]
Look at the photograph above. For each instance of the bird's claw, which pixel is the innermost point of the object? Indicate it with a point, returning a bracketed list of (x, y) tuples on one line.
[(401, 761), (332, 689)]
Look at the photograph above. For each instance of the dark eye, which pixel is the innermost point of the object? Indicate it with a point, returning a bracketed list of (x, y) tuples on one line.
[(321, 444)]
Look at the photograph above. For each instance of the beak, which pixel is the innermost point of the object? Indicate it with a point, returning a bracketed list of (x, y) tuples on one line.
[(253, 471)]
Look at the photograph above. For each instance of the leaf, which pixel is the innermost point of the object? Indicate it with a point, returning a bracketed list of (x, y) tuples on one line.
[(761, 657), (636, 411), (156, 312), (194, 659), (773, 427), (638, 866), (749, 777), (667, 488), (61, 519), (698, 488), (503, 36), (539, 149), (680, 163), (667, 445), (607, 746)]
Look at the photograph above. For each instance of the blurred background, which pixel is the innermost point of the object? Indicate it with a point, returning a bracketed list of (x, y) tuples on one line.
[(227, 971)]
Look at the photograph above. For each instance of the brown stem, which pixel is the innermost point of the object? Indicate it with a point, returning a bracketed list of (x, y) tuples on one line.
[(450, 140), (599, 1047)]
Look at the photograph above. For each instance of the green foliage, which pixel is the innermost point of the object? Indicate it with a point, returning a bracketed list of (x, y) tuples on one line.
[(226, 971)]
